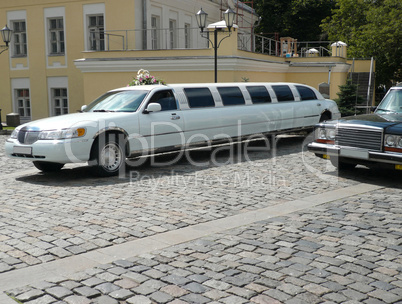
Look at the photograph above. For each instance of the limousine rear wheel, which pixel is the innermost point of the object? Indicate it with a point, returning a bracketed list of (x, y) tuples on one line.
[(108, 154), (48, 166)]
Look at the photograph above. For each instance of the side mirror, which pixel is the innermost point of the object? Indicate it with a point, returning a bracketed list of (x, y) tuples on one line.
[(153, 107), (372, 109), (83, 108)]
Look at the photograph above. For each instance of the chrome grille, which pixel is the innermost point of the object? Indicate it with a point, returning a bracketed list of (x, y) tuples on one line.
[(27, 137), (365, 138)]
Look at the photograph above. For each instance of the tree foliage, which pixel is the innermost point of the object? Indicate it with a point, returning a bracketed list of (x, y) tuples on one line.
[(348, 99), (299, 19), (371, 28)]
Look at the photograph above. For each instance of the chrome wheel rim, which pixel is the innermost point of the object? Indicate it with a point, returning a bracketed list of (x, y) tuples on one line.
[(111, 157)]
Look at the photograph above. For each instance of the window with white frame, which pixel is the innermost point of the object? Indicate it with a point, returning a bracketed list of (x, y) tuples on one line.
[(56, 31), (59, 101), (96, 30), (187, 35), (19, 39), (155, 26), (172, 34), (23, 103)]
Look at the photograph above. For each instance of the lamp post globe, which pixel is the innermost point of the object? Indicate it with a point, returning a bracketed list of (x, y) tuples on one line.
[(201, 19), (229, 16), (6, 34)]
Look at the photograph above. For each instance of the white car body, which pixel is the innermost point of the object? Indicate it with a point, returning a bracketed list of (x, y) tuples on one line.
[(70, 138)]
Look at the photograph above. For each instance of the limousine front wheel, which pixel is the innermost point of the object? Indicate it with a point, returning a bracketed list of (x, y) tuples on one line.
[(108, 155)]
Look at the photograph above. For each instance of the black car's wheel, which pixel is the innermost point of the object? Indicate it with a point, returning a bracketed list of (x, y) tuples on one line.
[(108, 154), (341, 164), (48, 166)]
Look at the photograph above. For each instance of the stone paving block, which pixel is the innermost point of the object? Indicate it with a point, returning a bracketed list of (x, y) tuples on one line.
[(59, 292), (30, 295), (87, 292), (77, 300), (174, 291), (195, 298), (161, 297), (233, 299), (106, 288), (264, 299), (175, 279), (46, 299), (121, 294), (105, 300), (91, 282)]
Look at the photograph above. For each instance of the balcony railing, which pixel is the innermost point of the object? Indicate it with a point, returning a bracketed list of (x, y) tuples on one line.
[(269, 46), (190, 38)]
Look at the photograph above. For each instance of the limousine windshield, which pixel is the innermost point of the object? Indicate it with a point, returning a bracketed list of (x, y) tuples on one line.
[(118, 101)]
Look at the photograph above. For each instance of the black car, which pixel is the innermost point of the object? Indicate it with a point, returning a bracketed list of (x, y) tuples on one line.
[(370, 140)]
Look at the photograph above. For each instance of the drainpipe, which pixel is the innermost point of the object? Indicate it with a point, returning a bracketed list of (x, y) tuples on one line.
[(369, 85), (144, 25), (329, 75)]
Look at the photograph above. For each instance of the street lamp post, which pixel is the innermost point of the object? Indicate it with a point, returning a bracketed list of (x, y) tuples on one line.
[(229, 16), (6, 35)]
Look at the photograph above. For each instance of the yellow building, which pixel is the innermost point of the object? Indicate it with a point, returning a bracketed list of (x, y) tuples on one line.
[(65, 53)]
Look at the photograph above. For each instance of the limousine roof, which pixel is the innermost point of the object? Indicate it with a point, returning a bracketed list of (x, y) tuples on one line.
[(212, 85)]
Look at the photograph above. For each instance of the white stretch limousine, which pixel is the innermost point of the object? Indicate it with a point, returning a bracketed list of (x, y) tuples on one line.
[(143, 120)]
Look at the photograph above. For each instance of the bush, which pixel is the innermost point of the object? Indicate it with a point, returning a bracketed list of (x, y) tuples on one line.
[(348, 99)]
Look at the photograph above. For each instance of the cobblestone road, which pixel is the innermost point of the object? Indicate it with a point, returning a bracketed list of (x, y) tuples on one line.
[(348, 250)]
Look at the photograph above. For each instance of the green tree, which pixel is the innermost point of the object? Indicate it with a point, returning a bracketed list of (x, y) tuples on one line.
[(348, 99), (299, 19), (371, 28)]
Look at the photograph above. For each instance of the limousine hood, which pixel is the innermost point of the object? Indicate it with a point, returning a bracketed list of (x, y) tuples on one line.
[(71, 120)]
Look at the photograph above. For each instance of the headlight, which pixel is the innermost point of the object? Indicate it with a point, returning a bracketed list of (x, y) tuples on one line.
[(331, 134), (390, 140), (14, 134), (399, 142), (324, 134), (62, 134)]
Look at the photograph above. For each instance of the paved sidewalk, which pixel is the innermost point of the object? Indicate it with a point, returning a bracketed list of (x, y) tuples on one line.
[(347, 250)]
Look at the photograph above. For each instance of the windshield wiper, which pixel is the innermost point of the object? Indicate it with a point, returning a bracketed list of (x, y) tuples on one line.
[(103, 110)]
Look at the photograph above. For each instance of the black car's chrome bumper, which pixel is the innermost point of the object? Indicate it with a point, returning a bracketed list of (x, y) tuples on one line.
[(361, 156)]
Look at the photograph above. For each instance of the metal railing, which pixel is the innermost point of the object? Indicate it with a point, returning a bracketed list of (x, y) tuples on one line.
[(190, 38), (272, 47), (154, 39)]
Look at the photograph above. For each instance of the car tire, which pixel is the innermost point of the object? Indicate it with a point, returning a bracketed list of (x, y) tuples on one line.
[(325, 117), (341, 164), (48, 166), (108, 155)]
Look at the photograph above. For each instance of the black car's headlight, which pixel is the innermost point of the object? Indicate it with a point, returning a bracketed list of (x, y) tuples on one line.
[(325, 135), (393, 142)]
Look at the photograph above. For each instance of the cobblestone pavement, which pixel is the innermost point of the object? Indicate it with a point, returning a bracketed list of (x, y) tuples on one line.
[(344, 251)]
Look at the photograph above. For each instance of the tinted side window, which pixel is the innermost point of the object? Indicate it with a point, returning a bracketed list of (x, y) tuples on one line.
[(306, 93), (231, 96), (259, 94), (165, 99), (283, 93), (199, 97)]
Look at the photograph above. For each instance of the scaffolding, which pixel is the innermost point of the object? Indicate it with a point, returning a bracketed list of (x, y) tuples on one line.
[(241, 7)]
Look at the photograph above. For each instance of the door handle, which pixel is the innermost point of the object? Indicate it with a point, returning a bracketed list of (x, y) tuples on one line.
[(175, 117)]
